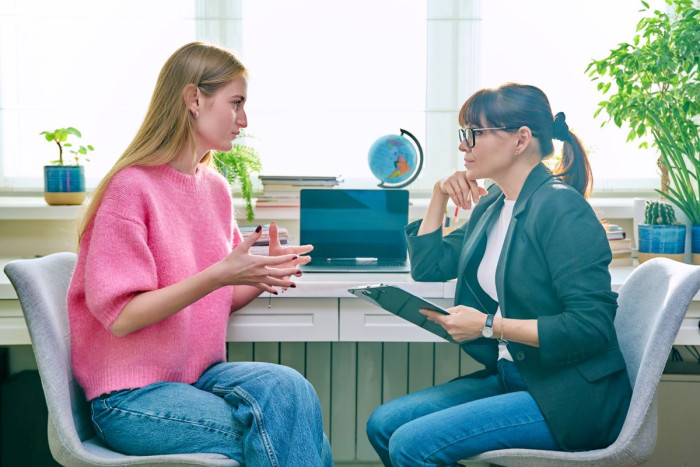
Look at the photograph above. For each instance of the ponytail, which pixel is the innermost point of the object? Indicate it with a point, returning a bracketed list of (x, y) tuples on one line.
[(574, 168)]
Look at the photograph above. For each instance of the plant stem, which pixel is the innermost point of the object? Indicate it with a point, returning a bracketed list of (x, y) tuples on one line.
[(60, 153)]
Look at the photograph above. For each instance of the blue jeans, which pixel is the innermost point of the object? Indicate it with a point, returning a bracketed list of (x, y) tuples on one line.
[(444, 424), (259, 414)]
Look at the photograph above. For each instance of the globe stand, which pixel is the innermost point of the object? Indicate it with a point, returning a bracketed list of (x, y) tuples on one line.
[(419, 165)]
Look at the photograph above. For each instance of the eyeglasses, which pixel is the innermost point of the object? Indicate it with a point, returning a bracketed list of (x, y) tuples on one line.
[(469, 134)]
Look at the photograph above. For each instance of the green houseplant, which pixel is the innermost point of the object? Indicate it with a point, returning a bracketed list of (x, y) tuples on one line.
[(64, 182), (660, 234), (237, 165), (652, 86)]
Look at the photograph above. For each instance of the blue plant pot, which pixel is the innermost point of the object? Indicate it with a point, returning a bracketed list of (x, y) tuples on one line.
[(661, 240), (64, 184)]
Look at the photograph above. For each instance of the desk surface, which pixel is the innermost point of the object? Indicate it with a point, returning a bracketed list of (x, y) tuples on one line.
[(321, 309), (316, 285)]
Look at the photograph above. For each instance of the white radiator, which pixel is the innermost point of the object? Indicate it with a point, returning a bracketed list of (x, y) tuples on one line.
[(353, 378)]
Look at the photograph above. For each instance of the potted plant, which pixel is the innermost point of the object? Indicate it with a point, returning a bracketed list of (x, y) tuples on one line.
[(64, 182), (660, 234), (237, 165), (655, 92)]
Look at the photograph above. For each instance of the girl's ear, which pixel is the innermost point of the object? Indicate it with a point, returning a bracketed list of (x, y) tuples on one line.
[(190, 94)]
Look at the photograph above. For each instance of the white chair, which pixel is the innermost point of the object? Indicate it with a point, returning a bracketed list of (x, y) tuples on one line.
[(652, 304), (42, 286)]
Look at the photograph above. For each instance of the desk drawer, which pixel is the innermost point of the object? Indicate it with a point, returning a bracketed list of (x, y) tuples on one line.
[(286, 320), (360, 321), (13, 329)]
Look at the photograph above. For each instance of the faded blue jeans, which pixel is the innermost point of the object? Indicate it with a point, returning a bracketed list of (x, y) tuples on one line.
[(260, 414), (444, 424)]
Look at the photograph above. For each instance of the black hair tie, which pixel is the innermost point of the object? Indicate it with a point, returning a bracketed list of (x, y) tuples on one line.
[(560, 130)]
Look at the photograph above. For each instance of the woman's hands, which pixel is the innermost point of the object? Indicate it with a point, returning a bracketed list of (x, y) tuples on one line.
[(462, 190), (262, 272), (463, 323), (276, 249)]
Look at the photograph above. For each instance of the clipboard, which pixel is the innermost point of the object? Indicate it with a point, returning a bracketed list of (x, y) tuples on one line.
[(403, 304)]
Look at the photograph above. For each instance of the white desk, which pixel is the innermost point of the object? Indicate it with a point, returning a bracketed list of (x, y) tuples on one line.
[(321, 309)]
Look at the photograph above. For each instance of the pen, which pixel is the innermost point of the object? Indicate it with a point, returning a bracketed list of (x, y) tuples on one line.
[(456, 216)]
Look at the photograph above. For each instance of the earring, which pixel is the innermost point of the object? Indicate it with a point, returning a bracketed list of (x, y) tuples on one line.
[(196, 114), (517, 151)]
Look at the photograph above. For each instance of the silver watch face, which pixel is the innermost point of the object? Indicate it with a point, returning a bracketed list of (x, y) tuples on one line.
[(487, 331)]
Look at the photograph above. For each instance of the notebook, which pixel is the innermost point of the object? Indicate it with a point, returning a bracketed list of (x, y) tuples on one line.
[(354, 230)]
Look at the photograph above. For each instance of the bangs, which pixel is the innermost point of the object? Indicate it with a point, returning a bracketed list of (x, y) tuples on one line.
[(486, 108)]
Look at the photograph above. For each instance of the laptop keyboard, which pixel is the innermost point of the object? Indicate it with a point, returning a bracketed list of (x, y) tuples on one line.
[(354, 262)]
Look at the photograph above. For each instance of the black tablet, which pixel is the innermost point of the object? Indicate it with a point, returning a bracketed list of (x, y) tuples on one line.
[(404, 304)]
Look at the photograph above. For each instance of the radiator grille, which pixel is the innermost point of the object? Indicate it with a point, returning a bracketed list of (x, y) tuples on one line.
[(353, 378)]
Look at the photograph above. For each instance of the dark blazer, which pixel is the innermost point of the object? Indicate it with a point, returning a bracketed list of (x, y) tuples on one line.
[(553, 268)]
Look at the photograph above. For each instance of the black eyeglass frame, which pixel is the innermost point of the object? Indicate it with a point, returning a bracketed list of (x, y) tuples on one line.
[(464, 133)]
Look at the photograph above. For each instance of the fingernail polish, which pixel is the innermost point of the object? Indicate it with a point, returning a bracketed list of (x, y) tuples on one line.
[(274, 293), (258, 229), (295, 257), (298, 273), (293, 285)]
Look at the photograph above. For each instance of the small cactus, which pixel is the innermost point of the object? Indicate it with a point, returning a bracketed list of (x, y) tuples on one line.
[(659, 213)]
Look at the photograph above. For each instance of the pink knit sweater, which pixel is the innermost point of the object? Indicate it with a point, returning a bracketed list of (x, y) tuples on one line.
[(154, 227)]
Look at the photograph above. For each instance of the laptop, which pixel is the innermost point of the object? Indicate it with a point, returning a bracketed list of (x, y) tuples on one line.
[(354, 230)]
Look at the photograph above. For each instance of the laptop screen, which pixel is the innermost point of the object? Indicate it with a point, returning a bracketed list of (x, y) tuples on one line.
[(345, 223)]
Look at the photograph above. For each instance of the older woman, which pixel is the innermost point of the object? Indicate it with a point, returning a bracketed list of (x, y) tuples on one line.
[(533, 302)]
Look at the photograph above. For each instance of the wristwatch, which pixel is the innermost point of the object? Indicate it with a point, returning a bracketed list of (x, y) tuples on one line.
[(487, 330)]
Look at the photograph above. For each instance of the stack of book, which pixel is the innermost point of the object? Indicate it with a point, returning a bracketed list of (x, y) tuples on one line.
[(260, 247), (282, 191), (620, 245)]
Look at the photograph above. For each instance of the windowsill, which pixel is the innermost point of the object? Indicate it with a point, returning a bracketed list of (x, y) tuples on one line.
[(35, 208)]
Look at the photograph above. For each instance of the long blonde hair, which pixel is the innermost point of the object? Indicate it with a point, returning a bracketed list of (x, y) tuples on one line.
[(168, 124)]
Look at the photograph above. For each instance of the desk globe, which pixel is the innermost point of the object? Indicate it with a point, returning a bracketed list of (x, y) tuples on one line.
[(393, 159)]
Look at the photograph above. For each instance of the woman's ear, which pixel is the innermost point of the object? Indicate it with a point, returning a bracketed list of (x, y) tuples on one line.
[(191, 97), (523, 140)]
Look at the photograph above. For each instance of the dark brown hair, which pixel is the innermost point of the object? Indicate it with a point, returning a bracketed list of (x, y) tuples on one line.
[(518, 105)]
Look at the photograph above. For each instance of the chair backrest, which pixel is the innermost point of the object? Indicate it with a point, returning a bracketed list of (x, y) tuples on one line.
[(42, 286), (652, 304)]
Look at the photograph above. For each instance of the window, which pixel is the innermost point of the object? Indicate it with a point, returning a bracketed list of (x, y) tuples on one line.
[(549, 43), (327, 78), (91, 65)]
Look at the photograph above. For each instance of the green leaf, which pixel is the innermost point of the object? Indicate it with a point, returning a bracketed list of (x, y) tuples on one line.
[(73, 131)]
